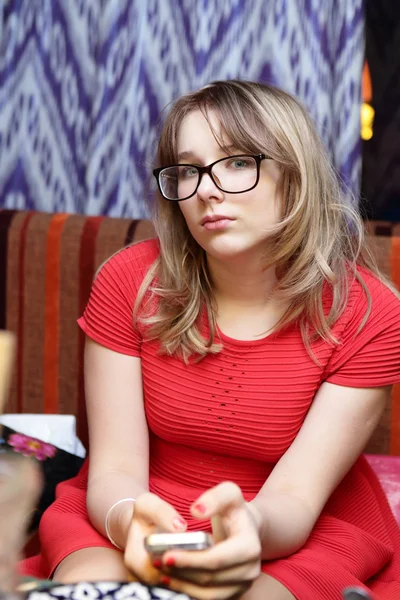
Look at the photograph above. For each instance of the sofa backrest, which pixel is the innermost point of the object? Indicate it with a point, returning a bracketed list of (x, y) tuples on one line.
[(384, 239), (47, 264)]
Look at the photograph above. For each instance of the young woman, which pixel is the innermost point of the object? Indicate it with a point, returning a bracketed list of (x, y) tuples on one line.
[(235, 370)]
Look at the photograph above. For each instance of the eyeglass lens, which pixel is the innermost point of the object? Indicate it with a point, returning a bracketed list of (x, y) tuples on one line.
[(231, 175)]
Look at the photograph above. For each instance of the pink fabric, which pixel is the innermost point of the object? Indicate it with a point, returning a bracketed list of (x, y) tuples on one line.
[(387, 469)]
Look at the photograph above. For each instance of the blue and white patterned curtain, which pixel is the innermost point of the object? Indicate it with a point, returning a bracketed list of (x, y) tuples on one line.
[(83, 83)]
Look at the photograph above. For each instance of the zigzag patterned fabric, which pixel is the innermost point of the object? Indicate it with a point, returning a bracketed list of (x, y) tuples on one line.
[(83, 83)]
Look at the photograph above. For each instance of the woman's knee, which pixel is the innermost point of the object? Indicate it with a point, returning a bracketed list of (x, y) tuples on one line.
[(268, 587), (92, 564)]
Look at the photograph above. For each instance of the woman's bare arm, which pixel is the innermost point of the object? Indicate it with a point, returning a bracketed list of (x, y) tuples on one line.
[(338, 426), (118, 436)]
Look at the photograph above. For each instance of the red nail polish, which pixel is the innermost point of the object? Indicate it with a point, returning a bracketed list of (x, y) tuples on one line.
[(201, 508), (165, 580), (179, 523), (170, 561), (157, 563)]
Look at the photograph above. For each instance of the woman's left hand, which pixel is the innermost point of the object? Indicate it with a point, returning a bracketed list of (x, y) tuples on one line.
[(229, 567)]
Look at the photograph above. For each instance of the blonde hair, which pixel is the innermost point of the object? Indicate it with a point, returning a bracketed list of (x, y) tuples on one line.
[(319, 240)]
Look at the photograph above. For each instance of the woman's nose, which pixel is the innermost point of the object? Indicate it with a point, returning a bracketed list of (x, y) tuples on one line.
[(207, 190)]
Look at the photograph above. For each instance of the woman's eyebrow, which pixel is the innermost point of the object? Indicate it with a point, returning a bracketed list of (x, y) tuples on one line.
[(190, 154), (186, 154)]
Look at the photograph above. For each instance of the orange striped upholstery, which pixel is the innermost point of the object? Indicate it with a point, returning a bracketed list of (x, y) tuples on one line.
[(384, 240), (395, 271), (47, 263)]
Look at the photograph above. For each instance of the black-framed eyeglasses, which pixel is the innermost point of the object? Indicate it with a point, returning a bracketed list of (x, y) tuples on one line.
[(232, 175)]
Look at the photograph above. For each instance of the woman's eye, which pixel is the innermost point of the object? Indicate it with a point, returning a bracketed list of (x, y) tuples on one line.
[(238, 163), (188, 172)]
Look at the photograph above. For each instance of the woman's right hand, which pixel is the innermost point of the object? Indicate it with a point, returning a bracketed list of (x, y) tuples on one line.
[(151, 513)]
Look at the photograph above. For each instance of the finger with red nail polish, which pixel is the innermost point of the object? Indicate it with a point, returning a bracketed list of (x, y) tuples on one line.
[(165, 580), (169, 561), (157, 563), (179, 523), (200, 508)]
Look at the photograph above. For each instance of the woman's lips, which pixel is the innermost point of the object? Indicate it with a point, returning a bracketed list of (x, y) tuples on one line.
[(218, 224)]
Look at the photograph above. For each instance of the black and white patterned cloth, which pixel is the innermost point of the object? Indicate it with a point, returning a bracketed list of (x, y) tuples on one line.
[(106, 590)]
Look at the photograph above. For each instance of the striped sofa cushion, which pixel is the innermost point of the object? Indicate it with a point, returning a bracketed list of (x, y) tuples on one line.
[(384, 241), (47, 263)]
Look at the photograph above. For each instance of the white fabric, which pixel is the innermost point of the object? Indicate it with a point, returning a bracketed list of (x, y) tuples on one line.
[(59, 430)]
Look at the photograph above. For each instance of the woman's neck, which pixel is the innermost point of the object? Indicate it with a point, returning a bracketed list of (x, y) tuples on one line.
[(243, 283)]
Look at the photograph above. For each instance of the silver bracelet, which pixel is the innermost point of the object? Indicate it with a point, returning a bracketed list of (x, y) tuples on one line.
[(106, 520)]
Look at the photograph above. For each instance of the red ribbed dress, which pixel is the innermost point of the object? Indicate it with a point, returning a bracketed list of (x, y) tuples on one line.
[(232, 416)]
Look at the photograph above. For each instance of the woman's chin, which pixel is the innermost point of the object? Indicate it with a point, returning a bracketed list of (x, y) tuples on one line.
[(226, 251)]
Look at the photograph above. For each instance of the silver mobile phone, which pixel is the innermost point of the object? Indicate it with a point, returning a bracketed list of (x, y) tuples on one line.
[(158, 543), (356, 594)]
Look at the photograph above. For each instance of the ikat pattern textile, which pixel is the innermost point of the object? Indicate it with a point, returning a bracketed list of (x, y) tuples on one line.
[(83, 84)]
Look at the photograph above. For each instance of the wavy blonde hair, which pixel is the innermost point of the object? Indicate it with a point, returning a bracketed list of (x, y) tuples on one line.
[(319, 240)]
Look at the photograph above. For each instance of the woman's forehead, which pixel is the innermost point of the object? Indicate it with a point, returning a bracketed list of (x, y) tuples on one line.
[(196, 127)]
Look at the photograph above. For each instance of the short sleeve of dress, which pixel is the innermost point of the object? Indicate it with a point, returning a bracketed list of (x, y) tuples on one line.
[(108, 317), (369, 357)]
